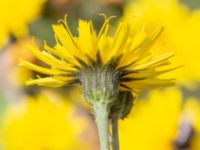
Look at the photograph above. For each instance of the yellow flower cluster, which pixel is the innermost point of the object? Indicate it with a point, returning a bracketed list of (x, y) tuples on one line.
[(137, 54), (42, 122)]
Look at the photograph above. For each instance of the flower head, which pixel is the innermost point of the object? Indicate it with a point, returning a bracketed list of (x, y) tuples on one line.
[(103, 63)]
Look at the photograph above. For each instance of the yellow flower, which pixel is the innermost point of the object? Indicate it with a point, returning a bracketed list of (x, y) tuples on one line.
[(88, 57), (16, 15), (153, 123), (42, 123), (181, 32), (162, 121)]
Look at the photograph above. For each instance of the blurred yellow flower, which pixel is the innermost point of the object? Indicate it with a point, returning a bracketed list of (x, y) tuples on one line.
[(162, 121), (14, 74), (153, 122), (181, 32), (16, 15), (123, 57), (41, 123)]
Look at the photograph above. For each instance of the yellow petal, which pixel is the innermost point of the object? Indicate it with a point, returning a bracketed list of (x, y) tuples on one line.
[(47, 58), (85, 38), (120, 39), (154, 61), (48, 82), (65, 38), (138, 39), (39, 68), (150, 83)]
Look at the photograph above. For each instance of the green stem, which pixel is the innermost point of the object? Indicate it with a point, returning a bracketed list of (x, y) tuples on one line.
[(101, 118), (115, 135)]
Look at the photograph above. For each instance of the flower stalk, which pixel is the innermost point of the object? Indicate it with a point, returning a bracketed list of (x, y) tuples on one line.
[(100, 89), (101, 119), (115, 134)]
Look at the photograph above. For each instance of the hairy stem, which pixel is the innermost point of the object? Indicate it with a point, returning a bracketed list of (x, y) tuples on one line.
[(115, 135), (101, 118)]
